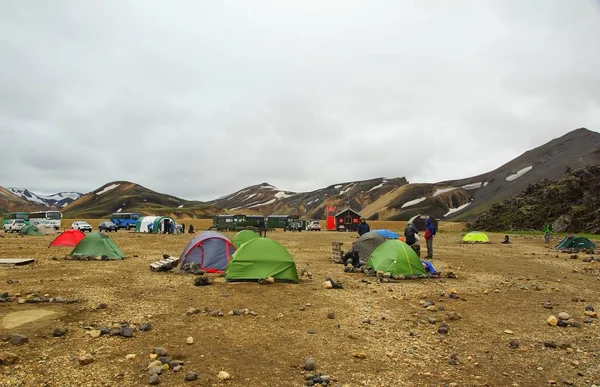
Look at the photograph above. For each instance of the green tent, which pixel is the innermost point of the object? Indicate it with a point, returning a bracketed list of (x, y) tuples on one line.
[(397, 258), (96, 244), (475, 237), (242, 237), (575, 242), (30, 230), (261, 258), (159, 224)]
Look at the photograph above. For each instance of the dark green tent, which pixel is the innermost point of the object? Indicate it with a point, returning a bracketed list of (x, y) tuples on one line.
[(397, 258), (575, 242), (98, 245), (30, 230), (261, 258), (242, 237)]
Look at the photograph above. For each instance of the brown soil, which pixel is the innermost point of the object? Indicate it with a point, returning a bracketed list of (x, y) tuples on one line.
[(268, 351)]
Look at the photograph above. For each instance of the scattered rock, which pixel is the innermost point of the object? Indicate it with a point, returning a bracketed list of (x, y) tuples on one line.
[(95, 333), (366, 321), (202, 281), (223, 376), (508, 332), (359, 355), (331, 315), (312, 332), (190, 376), (431, 320), (145, 327), (190, 340), (309, 364), (18, 339), (588, 320), (552, 320), (8, 358), (514, 343), (160, 351), (562, 323), (548, 305), (126, 332), (589, 308), (452, 316), (327, 285), (86, 359), (443, 328), (431, 308), (59, 332), (563, 316), (177, 368), (130, 356), (154, 380), (155, 369), (550, 344)]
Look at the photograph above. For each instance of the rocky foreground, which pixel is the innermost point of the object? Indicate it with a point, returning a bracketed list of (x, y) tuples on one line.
[(518, 314)]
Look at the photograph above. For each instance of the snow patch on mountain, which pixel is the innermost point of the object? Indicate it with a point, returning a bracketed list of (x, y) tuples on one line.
[(519, 173), (413, 202), (108, 188), (60, 199)]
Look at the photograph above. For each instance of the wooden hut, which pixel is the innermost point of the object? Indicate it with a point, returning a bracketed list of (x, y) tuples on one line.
[(347, 220)]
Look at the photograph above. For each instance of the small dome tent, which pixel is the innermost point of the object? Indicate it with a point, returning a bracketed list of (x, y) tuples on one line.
[(261, 258), (397, 258), (574, 242), (97, 245), (243, 236), (30, 230), (69, 238), (210, 250), (475, 237), (366, 244)]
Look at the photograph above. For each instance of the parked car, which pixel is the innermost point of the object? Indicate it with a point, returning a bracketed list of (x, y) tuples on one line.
[(14, 225), (108, 226), (81, 226), (315, 225)]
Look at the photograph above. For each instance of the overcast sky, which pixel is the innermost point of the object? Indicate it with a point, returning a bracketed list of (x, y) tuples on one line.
[(201, 98)]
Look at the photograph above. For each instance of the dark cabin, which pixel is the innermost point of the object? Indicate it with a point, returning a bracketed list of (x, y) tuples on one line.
[(419, 221), (347, 220)]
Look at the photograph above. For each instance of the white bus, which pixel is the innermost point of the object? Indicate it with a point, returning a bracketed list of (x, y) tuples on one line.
[(53, 217)]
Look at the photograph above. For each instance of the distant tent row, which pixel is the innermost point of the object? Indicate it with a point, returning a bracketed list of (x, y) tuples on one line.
[(30, 230), (94, 244), (248, 258)]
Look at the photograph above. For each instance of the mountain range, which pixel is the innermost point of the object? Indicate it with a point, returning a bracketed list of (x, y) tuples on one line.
[(378, 198)]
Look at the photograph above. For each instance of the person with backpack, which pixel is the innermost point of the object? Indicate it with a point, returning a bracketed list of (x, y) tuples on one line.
[(410, 234), (363, 227), (429, 233)]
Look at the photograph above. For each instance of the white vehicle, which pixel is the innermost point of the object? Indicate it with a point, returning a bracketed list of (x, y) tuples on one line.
[(14, 225), (81, 226), (315, 225), (53, 217)]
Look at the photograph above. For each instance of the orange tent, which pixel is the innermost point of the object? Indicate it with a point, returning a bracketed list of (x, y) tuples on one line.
[(69, 238)]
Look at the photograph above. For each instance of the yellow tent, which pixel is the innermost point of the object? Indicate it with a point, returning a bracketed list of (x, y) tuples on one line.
[(475, 237)]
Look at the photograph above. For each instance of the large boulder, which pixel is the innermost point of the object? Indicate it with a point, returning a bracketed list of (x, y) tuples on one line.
[(562, 223)]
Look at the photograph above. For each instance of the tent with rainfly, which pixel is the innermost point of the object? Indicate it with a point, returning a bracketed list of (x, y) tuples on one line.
[(575, 242), (210, 250), (243, 236), (387, 234), (30, 230), (475, 237), (69, 238), (397, 258), (98, 245), (261, 258), (366, 244)]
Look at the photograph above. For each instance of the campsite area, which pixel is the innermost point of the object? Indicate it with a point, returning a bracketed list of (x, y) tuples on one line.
[(368, 333)]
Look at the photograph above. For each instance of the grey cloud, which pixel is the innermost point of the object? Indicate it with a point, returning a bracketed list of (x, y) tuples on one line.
[(299, 94)]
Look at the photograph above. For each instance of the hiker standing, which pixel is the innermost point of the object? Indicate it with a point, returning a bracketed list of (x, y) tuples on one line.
[(547, 233), (410, 234), (429, 233), (363, 227), (183, 228)]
